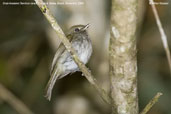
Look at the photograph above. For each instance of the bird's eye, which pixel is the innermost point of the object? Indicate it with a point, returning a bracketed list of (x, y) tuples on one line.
[(77, 30)]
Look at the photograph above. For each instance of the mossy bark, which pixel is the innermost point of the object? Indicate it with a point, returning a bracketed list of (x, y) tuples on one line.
[(122, 53)]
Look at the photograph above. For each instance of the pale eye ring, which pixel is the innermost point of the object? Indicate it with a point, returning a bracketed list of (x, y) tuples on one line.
[(77, 29)]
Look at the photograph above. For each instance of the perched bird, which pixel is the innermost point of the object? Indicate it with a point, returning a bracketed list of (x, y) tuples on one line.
[(63, 63)]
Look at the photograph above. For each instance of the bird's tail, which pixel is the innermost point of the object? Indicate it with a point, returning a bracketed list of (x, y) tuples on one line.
[(54, 76)]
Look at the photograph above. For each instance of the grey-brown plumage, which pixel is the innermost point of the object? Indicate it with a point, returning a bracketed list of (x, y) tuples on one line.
[(63, 63)]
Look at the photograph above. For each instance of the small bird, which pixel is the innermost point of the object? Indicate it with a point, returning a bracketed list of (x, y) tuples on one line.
[(63, 64)]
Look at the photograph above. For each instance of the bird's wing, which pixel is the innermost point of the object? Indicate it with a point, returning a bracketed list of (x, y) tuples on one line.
[(58, 53), (54, 72)]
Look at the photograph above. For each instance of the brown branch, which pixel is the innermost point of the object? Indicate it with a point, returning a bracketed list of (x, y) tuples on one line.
[(151, 103), (68, 46), (162, 33), (18, 105)]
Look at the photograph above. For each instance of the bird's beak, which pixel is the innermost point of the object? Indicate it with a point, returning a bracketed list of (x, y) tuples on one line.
[(86, 27)]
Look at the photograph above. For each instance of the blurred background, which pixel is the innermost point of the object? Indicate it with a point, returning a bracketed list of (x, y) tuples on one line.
[(28, 44)]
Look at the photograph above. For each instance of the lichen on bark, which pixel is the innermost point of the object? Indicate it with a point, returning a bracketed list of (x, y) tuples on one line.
[(122, 53)]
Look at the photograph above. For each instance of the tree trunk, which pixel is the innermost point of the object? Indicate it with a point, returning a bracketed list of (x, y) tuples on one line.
[(122, 53)]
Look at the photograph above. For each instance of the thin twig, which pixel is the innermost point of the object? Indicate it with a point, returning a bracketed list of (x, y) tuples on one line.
[(68, 46), (162, 33), (18, 105), (151, 103)]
